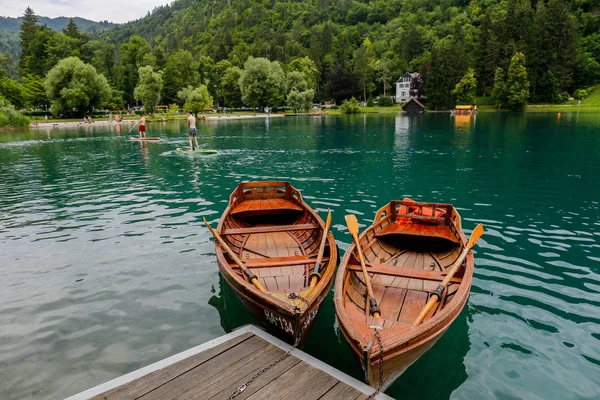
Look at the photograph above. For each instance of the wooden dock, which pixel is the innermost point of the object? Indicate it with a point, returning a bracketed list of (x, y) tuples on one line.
[(214, 370)]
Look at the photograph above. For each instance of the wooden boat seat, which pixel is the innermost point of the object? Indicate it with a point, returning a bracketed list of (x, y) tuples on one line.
[(249, 208), (278, 262), (269, 229), (418, 230), (404, 272)]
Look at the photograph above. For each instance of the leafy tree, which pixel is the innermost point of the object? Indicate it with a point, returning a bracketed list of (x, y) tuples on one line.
[(465, 90), (28, 30), (350, 106), (383, 68), (448, 64), (12, 92), (115, 100), (196, 99), (148, 88), (262, 83), (555, 51), (308, 68), (363, 66), (34, 93), (517, 83), (230, 87), (300, 100), (131, 57), (9, 117), (341, 82), (499, 93), (296, 81), (75, 88), (180, 71)]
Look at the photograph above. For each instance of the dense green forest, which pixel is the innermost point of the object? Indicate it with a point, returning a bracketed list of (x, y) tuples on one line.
[(518, 51), (9, 30)]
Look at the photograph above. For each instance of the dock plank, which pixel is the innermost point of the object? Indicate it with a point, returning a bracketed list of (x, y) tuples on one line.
[(299, 376), (145, 384), (214, 370), (205, 371), (341, 391), (250, 364)]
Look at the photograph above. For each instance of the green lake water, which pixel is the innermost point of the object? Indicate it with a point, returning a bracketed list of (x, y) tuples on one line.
[(105, 266)]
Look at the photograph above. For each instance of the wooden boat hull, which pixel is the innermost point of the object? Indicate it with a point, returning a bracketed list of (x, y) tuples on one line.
[(277, 236), (407, 257), (285, 325)]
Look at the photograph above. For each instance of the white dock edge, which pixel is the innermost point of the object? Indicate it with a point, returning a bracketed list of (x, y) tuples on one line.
[(339, 375)]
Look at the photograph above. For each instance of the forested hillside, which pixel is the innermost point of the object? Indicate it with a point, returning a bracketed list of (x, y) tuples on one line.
[(515, 50), (439, 38), (9, 30)]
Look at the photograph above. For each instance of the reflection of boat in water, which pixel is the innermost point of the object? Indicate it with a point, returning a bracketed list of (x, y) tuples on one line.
[(463, 120), (232, 312)]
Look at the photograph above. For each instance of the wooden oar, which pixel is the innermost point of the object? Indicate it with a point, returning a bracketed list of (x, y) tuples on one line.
[(251, 277), (315, 276), (353, 228), (437, 293)]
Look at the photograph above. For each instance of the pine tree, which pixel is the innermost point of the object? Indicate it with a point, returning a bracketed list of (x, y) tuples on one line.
[(72, 30), (28, 29), (517, 83)]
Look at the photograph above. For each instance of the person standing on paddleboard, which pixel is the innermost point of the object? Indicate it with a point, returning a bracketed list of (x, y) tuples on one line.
[(192, 134), (142, 128)]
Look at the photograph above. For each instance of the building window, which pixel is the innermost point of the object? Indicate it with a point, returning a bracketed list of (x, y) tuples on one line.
[(403, 93)]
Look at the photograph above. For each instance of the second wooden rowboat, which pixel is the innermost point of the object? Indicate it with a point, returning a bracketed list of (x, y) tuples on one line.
[(408, 251), (277, 236)]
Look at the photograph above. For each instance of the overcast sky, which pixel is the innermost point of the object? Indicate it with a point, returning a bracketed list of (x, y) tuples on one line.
[(96, 10)]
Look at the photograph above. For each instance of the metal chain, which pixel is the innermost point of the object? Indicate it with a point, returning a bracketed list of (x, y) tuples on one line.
[(244, 385), (380, 384)]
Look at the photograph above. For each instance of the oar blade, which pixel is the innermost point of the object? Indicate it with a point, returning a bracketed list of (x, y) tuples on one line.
[(328, 222), (352, 223), (475, 235)]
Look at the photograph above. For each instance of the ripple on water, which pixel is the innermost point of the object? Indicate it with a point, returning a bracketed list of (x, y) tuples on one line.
[(107, 266)]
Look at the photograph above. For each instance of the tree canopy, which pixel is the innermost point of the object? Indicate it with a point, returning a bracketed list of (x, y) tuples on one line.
[(75, 88), (343, 48)]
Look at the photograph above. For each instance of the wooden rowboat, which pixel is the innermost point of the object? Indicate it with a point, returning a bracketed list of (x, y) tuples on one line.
[(277, 236), (408, 251)]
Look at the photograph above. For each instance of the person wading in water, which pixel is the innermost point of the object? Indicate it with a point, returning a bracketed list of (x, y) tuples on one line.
[(142, 128), (192, 134)]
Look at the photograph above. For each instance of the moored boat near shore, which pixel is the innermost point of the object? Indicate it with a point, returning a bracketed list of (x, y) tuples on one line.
[(414, 254), (277, 255)]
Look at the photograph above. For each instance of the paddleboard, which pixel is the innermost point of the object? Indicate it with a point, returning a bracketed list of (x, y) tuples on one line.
[(201, 151), (148, 138)]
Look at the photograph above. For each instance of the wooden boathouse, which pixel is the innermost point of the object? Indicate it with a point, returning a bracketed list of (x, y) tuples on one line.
[(214, 370)]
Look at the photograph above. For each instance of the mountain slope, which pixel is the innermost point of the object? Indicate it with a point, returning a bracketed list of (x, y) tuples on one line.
[(9, 30)]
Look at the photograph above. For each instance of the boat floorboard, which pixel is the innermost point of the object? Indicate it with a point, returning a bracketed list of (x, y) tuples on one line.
[(215, 369)]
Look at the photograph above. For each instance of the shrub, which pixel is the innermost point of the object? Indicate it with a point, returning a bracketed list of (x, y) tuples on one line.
[(370, 102), (581, 94), (386, 101), (350, 106), (563, 97), (9, 117)]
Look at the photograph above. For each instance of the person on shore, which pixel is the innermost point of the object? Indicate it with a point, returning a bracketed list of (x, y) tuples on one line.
[(142, 128), (193, 133)]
